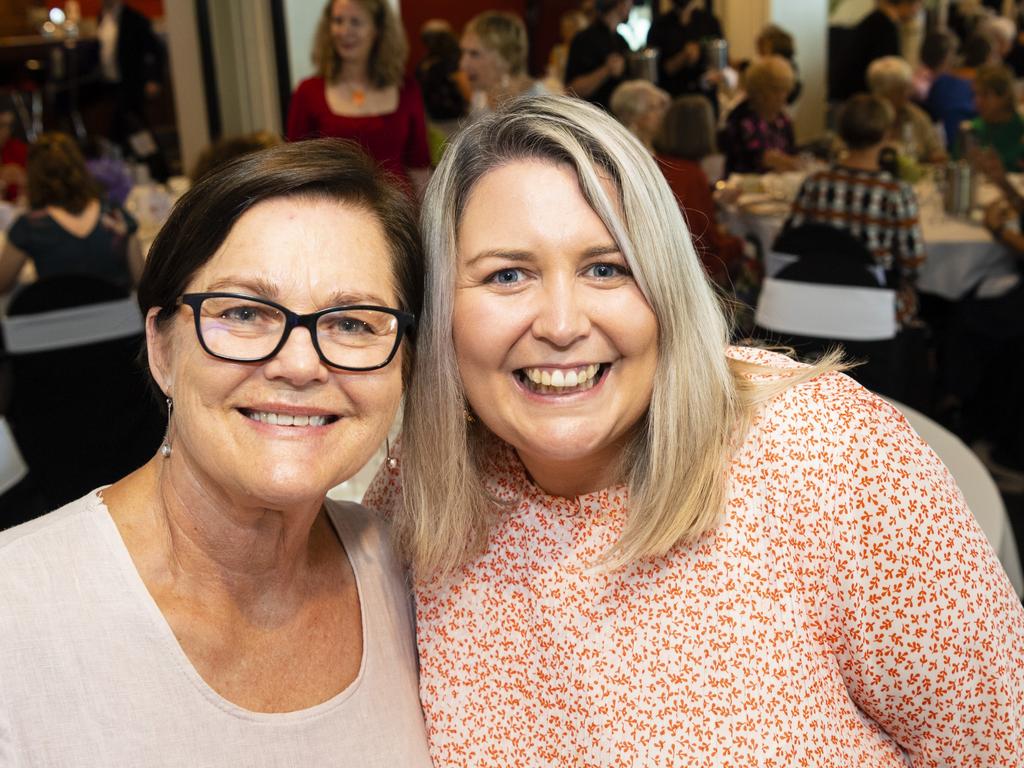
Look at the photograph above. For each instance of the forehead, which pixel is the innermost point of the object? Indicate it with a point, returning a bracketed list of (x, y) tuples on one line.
[(530, 204), (306, 250), (349, 8)]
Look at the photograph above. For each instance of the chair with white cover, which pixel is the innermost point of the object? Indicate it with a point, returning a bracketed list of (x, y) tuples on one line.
[(824, 290), (80, 406)]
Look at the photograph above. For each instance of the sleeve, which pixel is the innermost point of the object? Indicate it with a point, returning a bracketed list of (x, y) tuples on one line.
[(926, 629), (744, 146), (301, 118), (416, 153), (20, 234)]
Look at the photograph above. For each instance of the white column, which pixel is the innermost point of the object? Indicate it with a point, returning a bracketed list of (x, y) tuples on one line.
[(187, 76), (807, 21)]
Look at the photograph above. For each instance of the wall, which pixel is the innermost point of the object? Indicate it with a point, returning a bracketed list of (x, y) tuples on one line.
[(301, 17), (187, 76), (807, 21)]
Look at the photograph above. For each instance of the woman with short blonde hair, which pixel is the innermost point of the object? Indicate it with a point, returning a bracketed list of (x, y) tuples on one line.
[(495, 47), (633, 543), (892, 78), (758, 134)]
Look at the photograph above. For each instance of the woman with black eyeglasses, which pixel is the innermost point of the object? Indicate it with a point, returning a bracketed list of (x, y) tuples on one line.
[(214, 608)]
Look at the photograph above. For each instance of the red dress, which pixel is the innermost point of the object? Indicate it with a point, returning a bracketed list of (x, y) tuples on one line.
[(720, 251), (14, 152), (397, 140)]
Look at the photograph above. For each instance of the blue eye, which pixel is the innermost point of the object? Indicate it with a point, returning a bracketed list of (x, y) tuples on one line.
[(506, 276), (606, 271)]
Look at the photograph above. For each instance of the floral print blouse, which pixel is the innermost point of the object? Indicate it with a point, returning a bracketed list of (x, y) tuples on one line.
[(847, 611)]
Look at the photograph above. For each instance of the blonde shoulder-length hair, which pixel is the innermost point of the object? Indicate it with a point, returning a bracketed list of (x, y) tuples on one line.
[(675, 465), (387, 57)]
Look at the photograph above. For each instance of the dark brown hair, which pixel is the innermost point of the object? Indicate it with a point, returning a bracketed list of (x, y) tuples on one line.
[(863, 121), (329, 169), (57, 174)]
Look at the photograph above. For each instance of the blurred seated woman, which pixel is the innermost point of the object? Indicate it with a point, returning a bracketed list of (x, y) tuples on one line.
[(635, 544), (495, 49), (640, 106), (856, 195), (71, 229), (687, 136), (998, 124), (214, 607), (361, 92), (892, 78), (758, 134)]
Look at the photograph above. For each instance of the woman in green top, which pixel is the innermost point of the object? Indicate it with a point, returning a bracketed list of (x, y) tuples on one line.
[(998, 124)]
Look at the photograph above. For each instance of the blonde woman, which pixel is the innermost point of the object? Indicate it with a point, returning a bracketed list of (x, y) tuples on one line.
[(758, 134), (361, 91), (636, 545), (892, 78), (640, 106), (494, 55)]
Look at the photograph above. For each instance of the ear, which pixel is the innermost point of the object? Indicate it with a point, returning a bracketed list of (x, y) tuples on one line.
[(158, 350)]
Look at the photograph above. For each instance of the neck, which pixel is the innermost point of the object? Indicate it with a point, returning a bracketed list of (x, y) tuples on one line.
[(250, 552), (763, 110), (354, 73), (862, 159), (611, 20), (574, 477)]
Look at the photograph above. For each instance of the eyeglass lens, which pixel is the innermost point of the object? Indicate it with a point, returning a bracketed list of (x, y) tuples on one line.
[(244, 329)]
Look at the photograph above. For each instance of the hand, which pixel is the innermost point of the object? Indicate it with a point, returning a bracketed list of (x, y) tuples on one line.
[(985, 160), (996, 216), (12, 174), (152, 89), (616, 64), (691, 53), (777, 160)]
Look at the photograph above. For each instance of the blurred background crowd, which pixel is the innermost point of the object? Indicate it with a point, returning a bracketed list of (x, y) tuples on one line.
[(850, 172)]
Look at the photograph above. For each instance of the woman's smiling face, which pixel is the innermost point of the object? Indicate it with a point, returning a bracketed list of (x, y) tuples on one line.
[(305, 254), (556, 345)]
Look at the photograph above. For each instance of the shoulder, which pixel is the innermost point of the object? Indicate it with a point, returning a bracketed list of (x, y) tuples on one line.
[(359, 526), (47, 551), (309, 87)]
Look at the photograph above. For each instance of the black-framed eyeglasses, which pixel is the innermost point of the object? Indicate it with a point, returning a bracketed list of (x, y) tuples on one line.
[(247, 329)]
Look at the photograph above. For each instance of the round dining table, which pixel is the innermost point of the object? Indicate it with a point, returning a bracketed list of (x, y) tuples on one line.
[(960, 252)]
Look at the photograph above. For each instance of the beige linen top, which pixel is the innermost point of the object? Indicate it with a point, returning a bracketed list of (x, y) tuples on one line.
[(92, 675)]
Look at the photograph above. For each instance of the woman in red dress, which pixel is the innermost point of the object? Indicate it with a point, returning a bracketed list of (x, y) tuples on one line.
[(361, 92)]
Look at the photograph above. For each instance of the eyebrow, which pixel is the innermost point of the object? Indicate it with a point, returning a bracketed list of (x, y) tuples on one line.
[(261, 288), (525, 256)]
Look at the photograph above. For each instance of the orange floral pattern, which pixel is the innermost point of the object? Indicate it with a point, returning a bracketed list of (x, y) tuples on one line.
[(848, 611)]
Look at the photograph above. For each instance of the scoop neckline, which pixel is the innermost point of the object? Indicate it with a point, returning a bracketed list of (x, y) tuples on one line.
[(137, 586)]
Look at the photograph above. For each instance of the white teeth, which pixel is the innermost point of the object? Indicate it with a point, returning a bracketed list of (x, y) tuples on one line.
[(551, 380), (287, 419)]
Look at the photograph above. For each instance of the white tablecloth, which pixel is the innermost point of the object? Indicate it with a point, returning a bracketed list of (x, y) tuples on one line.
[(960, 251)]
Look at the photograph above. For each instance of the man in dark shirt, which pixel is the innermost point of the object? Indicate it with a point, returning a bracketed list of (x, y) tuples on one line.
[(597, 55), (877, 35), (678, 35)]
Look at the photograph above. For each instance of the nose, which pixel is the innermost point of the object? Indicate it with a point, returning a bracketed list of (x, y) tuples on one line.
[(297, 361), (562, 315)]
